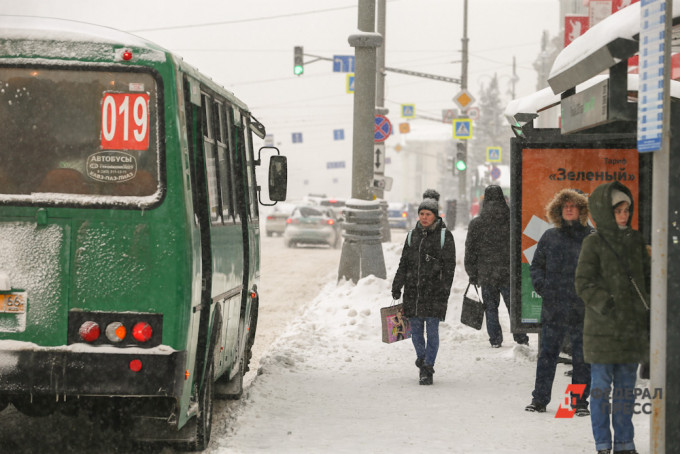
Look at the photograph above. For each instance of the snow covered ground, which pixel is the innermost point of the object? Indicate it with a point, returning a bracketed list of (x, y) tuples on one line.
[(329, 385)]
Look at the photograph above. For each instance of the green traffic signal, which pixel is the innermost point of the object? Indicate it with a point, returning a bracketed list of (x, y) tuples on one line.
[(461, 165), (298, 61)]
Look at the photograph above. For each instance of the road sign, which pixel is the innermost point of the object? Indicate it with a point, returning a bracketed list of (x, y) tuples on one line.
[(408, 110), (379, 158), (382, 129), (493, 154), (338, 134), (462, 128), (652, 62), (343, 63), (269, 140), (495, 173), (464, 99), (297, 137), (473, 112), (404, 128), (384, 183), (448, 115), (350, 83)]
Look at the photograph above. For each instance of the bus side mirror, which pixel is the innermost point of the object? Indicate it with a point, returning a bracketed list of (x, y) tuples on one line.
[(278, 178)]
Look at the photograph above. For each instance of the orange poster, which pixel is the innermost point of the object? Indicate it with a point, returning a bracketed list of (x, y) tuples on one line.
[(545, 171)]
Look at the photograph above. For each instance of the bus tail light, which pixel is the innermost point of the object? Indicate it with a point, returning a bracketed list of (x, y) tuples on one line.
[(89, 331), (142, 331), (135, 365)]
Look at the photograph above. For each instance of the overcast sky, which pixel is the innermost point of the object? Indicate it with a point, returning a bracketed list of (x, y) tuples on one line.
[(247, 46)]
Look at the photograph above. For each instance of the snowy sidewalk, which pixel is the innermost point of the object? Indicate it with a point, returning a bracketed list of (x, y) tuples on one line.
[(329, 385)]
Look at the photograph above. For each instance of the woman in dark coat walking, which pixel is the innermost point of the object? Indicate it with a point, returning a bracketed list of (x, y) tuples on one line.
[(616, 329), (487, 260), (426, 268), (552, 275)]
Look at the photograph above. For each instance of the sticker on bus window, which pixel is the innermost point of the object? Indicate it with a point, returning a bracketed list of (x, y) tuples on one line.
[(125, 121), (136, 86), (111, 166)]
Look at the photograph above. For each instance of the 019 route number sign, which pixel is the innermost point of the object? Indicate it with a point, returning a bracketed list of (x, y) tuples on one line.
[(125, 121)]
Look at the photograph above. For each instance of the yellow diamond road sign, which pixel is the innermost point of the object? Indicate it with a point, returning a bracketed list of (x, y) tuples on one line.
[(464, 99)]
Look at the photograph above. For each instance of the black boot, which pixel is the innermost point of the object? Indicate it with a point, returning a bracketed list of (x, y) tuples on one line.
[(426, 373), (420, 362)]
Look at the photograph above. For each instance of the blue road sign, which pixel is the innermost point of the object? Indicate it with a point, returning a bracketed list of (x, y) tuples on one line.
[(462, 128), (350, 83), (343, 63), (383, 128), (408, 110), (495, 173), (493, 154), (338, 134), (297, 137)]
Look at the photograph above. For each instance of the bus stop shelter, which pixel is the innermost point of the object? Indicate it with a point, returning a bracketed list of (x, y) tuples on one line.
[(579, 133)]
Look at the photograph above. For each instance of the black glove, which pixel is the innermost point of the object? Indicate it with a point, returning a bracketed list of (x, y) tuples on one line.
[(396, 294), (474, 281)]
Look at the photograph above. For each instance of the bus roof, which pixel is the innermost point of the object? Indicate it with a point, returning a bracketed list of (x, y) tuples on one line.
[(70, 33)]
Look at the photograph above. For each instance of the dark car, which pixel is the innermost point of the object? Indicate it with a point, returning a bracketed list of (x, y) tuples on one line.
[(400, 216), (312, 225)]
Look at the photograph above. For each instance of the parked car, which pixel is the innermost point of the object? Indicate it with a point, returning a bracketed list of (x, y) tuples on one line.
[(275, 222), (400, 216), (312, 225)]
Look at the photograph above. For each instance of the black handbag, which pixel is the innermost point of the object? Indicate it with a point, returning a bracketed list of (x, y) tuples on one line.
[(472, 314)]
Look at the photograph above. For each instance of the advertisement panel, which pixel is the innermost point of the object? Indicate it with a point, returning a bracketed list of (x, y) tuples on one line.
[(538, 174)]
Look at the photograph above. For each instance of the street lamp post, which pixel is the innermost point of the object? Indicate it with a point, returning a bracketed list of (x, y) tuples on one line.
[(362, 253)]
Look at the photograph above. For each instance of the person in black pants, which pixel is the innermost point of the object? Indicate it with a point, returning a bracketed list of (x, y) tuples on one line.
[(487, 260), (553, 269)]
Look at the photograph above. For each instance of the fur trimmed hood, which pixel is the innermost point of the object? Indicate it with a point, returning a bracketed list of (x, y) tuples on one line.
[(554, 209)]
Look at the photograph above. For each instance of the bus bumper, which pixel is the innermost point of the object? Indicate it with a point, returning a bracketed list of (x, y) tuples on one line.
[(65, 372)]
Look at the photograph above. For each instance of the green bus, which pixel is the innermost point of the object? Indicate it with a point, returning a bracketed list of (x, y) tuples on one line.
[(129, 230)]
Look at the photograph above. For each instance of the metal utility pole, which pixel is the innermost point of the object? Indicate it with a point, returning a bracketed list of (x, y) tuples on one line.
[(362, 253), (462, 205)]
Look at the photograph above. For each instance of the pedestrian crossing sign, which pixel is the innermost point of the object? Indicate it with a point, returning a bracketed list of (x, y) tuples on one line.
[(462, 128), (493, 154)]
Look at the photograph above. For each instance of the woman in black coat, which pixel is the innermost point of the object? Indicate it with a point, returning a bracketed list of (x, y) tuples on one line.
[(426, 269)]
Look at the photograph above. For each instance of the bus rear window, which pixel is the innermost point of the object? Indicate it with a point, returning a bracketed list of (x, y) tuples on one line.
[(78, 133)]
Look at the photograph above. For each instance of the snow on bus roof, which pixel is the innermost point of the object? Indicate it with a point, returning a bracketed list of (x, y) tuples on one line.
[(30, 27)]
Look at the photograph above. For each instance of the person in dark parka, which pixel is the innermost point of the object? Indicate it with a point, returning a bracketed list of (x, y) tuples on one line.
[(552, 271), (425, 272), (616, 327), (487, 260)]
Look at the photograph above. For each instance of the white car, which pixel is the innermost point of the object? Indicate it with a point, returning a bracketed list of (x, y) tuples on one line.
[(312, 225)]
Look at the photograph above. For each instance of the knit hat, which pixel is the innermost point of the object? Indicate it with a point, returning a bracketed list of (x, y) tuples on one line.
[(431, 194), (429, 204), (618, 197)]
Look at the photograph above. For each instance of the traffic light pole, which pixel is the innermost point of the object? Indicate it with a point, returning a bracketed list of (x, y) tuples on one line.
[(462, 212)]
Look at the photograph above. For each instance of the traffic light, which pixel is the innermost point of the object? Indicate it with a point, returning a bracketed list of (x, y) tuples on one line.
[(461, 161), (298, 63)]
